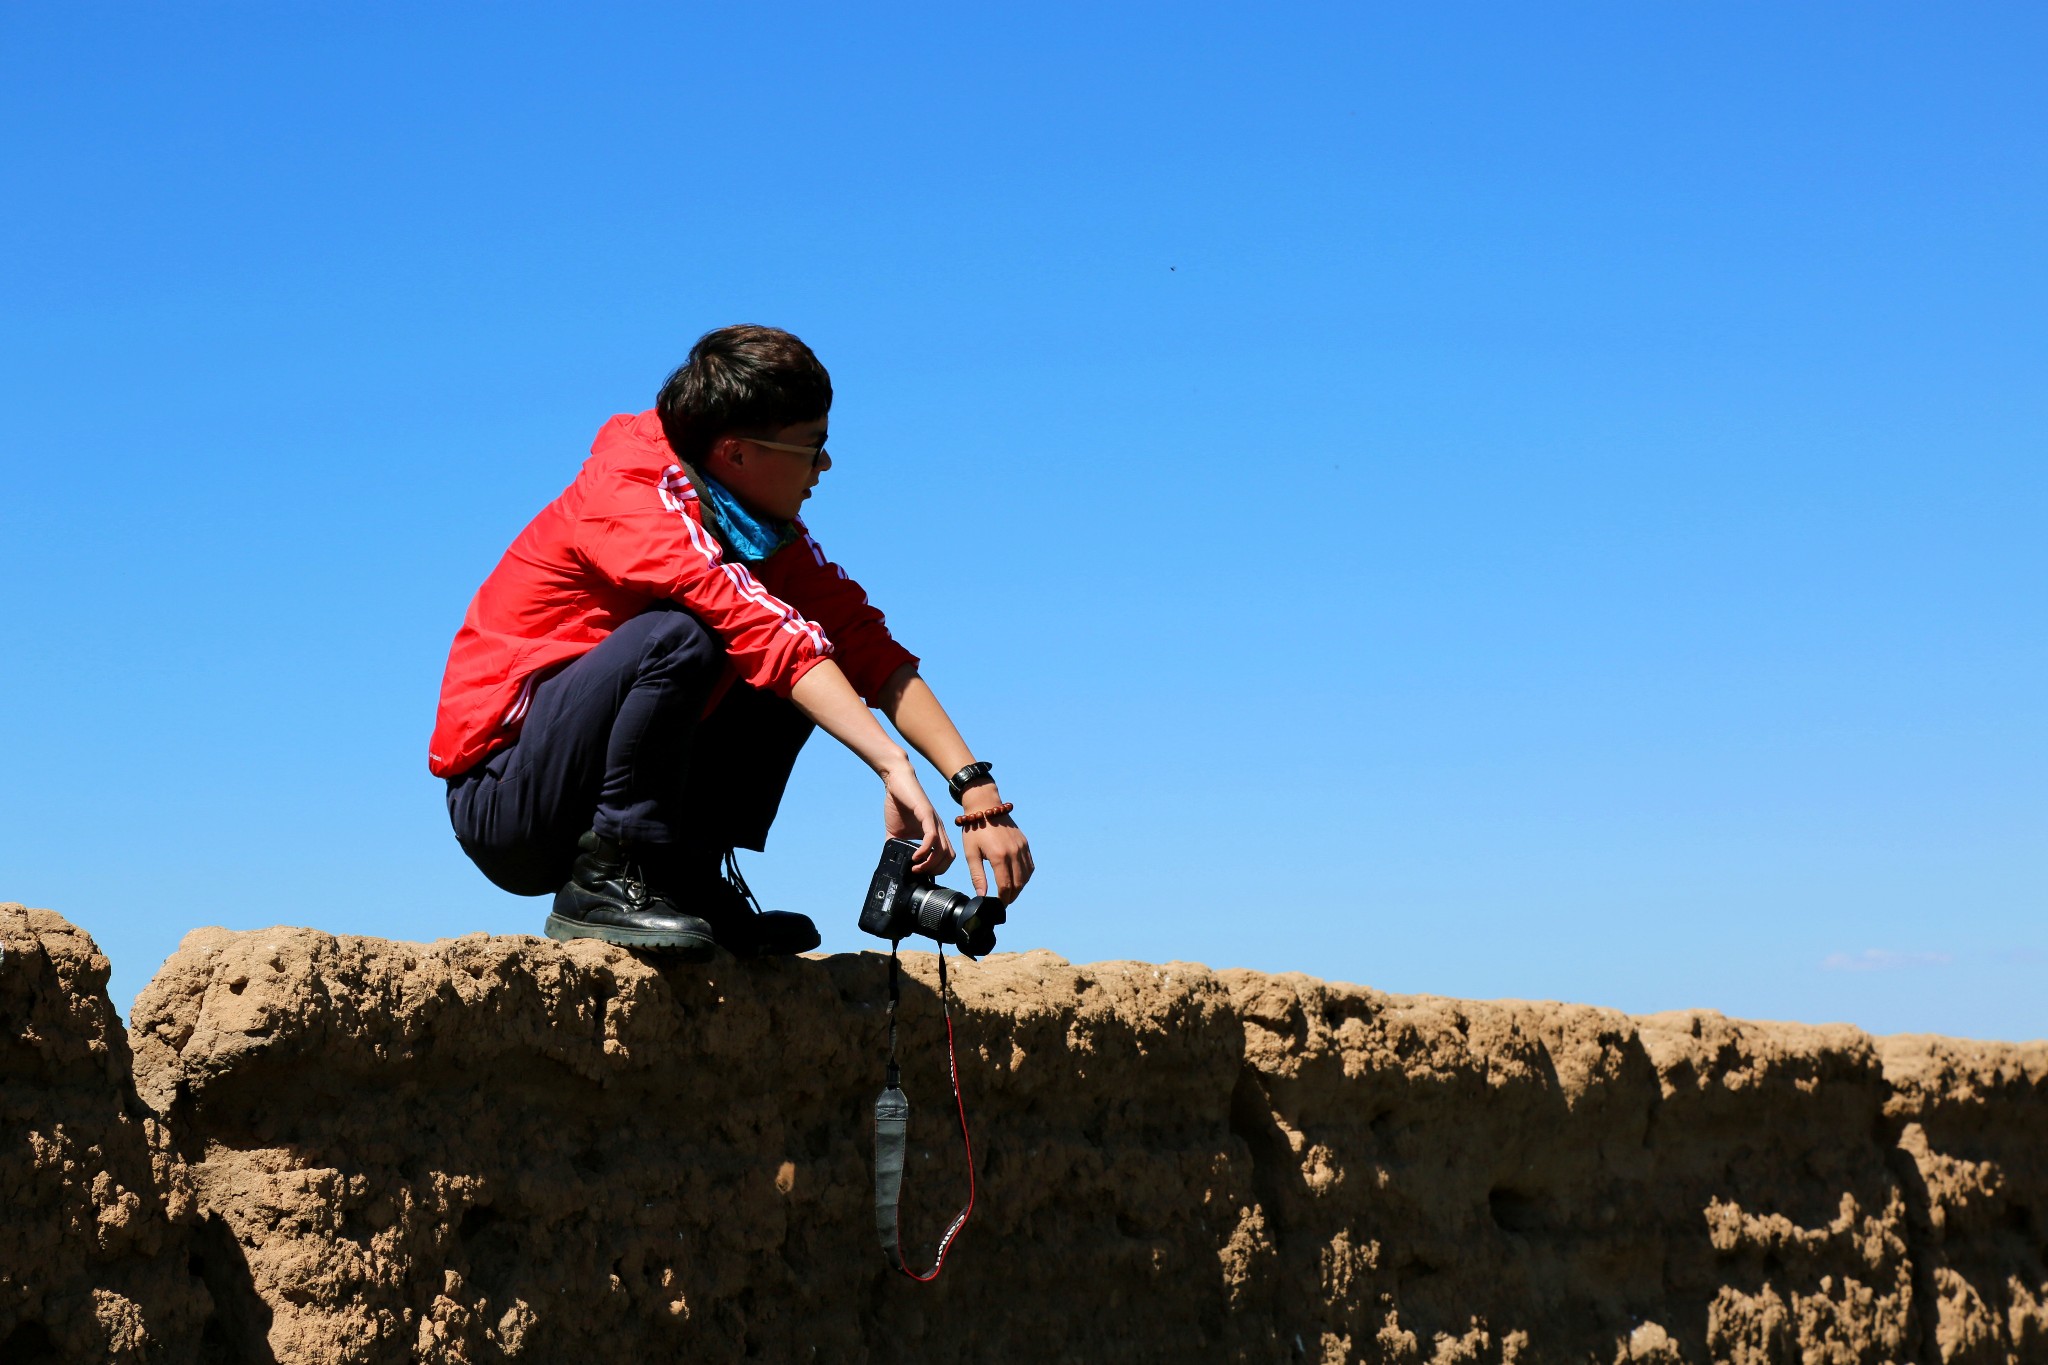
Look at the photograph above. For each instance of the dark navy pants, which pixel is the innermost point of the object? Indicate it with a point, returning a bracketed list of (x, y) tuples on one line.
[(617, 741)]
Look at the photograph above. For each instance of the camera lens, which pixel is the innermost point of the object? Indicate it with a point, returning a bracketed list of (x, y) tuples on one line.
[(938, 912)]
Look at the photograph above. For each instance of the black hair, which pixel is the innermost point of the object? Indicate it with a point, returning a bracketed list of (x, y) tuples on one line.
[(739, 379)]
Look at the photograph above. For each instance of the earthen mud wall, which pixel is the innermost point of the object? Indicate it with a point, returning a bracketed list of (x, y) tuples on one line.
[(310, 1148)]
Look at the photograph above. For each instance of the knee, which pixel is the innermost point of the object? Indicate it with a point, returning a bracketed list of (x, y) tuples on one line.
[(675, 637)]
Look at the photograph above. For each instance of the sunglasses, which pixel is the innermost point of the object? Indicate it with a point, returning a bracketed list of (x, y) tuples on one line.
[(812, 453)]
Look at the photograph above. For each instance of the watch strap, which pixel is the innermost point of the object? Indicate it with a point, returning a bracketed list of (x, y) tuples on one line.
[(959, 782)]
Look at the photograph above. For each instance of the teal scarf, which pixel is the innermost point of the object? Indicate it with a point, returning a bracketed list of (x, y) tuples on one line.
[(751, 538)]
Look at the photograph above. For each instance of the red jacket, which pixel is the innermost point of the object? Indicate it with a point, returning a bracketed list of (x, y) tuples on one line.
[(630, 530)]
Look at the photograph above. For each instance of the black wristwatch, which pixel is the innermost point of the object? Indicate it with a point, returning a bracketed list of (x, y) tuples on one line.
[(959, 782)]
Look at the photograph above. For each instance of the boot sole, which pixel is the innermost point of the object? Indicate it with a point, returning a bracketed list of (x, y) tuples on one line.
[(692, 947)]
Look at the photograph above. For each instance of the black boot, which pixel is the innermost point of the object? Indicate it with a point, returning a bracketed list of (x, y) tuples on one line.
[(744, 929), (607, 898), (708, 881)]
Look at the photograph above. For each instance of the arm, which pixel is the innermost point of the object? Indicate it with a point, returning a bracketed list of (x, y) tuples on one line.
[(643, 533), (914, 709), (825, 696)]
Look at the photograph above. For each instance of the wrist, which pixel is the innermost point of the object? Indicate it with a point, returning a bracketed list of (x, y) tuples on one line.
[(967, 778), (980, 795), (894, 763)]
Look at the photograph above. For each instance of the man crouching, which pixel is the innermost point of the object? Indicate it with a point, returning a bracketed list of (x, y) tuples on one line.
[(632, 684)]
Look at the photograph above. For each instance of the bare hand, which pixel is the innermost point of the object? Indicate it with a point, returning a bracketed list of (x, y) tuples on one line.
[(907, 814), (1001, 845)]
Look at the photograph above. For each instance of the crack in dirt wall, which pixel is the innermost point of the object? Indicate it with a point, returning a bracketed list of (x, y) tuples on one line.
[(354, 1150)]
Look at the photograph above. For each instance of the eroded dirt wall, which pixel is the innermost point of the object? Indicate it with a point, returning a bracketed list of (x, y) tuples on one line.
[(1450, 1179), (498, 1147), (504, 1148), (95, 1217), (1971, 1126)]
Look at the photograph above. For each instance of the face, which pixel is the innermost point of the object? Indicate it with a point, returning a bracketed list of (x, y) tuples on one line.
[(767, 481)]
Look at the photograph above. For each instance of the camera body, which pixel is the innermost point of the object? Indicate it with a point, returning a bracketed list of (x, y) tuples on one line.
[(902, 902)]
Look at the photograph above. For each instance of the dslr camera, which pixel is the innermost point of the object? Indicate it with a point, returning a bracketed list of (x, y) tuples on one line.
[(902, 902)]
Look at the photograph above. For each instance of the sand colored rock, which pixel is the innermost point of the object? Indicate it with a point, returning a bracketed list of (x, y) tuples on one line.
[(509, 1149), (97, 1215), (1449, 1180), (499, 1147), (1972, 1124)]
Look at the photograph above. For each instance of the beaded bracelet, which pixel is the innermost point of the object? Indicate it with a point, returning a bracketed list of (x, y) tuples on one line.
[(975, 819)]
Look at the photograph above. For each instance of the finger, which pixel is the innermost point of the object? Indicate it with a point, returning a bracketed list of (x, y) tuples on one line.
[(987, 876), (974, 875), (940, 855)]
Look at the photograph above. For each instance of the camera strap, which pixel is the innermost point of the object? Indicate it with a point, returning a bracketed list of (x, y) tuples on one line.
[(892, 1136)]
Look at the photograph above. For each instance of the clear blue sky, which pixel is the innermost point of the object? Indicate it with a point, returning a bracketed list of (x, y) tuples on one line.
[(1490, 500)]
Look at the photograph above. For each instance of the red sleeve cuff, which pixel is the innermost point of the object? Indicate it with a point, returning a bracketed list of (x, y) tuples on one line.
[(783, 686), (876, 668)]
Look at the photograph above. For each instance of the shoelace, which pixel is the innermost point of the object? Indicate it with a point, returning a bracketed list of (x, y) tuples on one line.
[(739, 883), (633, 878)]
